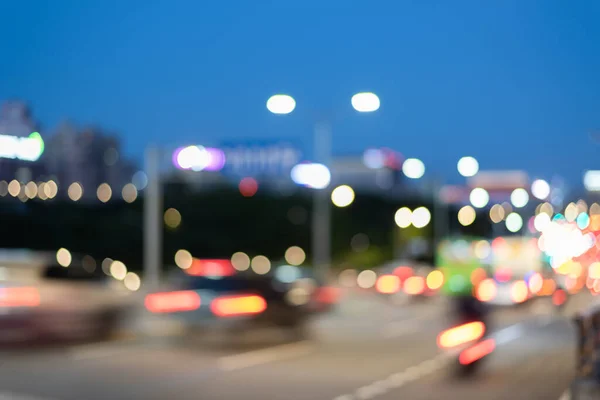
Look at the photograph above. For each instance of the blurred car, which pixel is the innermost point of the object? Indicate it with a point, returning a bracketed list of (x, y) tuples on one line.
[(44, 300), (409, 283), (212, 292)]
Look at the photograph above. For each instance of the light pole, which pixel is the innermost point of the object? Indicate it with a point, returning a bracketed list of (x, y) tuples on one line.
[(322, 141), (152, 218)]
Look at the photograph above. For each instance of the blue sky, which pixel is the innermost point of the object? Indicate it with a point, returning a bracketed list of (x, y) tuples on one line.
[(514, 83)]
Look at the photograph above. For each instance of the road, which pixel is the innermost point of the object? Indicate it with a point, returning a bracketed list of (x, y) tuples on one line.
[(367, 349)]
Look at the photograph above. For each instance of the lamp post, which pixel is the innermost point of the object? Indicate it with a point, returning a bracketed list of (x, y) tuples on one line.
[(282, 104)]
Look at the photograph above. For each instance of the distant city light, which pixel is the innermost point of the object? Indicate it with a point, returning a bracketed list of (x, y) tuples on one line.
[(468, 166), (140, 180), (466, 215), (413, 168), (403, 217), (519, 198), (22, 148), (118, 270), (365, 102), (63, 257), (295, 255), (51, 189), (420, 217), (240, 261), (14, 188), (281, 104), (342, 196), (591, 180), (132, 281), (261, 265), (75, 191), (514, 222), (129, 193), (172, 218), (540, 189), (199, 158), (374, 159), (248, 187), (479, 197), (497, 213), (314, 176), (183, 259), (104, 192)]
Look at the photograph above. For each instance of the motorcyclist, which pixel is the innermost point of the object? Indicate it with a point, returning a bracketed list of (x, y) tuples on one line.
[(460, 267)]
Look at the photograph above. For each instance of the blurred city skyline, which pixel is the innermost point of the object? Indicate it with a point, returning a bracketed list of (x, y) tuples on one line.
[(512, 84)]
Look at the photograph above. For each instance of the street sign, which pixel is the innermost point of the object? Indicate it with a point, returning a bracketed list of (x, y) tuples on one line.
[(260, 158)]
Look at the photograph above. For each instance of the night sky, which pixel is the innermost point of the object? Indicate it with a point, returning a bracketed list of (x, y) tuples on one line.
[(514, 83)]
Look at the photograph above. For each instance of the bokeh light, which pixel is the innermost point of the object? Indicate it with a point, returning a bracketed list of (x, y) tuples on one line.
[(497, 213), (248, 187), (466, 215), (118, 270), (571, 212), (240, 261), (519, 198), (183, 259), (514, 222), (104, 192), (583, 220), (261, 265), (468, 166), (172, 218), (129, 193), (132, 281), (14, 188), (75, 191), (413, 168), (541, 222), (311, 175), (403, 217), (281, 104), (342, 196), (366, 279), (63, 257), (540, 189), (479, 197), (420, 217), (365, 102), (295, 255)]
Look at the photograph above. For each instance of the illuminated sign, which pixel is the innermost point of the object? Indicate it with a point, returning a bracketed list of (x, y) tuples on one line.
[(260, 158), (22, 148)]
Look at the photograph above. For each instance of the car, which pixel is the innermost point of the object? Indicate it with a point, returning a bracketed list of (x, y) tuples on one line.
[(214, 294), (43, 300)]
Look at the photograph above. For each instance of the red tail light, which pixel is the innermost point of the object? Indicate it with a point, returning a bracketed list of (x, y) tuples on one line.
[(169, 302), (559, 297), (327, 295), (211, 268), (477, 352), (461, 334), (388, 284), (19, 297), (503, 275), (231, 306)]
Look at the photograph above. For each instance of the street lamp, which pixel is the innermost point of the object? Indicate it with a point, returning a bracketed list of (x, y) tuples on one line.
[(321, 217), (467, 166)]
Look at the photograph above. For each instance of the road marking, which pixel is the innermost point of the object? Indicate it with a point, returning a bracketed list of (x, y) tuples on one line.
[(410, 374), (566, 395), (264, 356)]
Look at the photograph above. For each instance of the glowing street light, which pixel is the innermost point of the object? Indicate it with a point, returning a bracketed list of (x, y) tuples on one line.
[(540, 189), (413, 168), (342, 196), (312, 175), (365, 102), (281, 104), (479, 197), (467, 166)]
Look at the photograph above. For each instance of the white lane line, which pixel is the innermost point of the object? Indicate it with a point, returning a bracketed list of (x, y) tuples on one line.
[(566, 395), (264, 356), (399, 379)]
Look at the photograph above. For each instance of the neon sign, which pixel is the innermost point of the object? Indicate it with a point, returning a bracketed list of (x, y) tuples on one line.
[(22, 148)]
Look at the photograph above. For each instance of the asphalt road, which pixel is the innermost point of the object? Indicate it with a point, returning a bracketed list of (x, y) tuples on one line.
[(367, 349)]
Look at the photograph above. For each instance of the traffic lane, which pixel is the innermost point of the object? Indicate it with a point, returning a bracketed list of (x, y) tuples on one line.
[(539, 364), (334, 362)]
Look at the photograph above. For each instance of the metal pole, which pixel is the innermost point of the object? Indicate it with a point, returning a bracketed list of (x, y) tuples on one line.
[(152, 219), (321, 215), (441, 223)]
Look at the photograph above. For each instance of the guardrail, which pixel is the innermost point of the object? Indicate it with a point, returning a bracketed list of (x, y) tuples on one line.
[(587, 381)]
